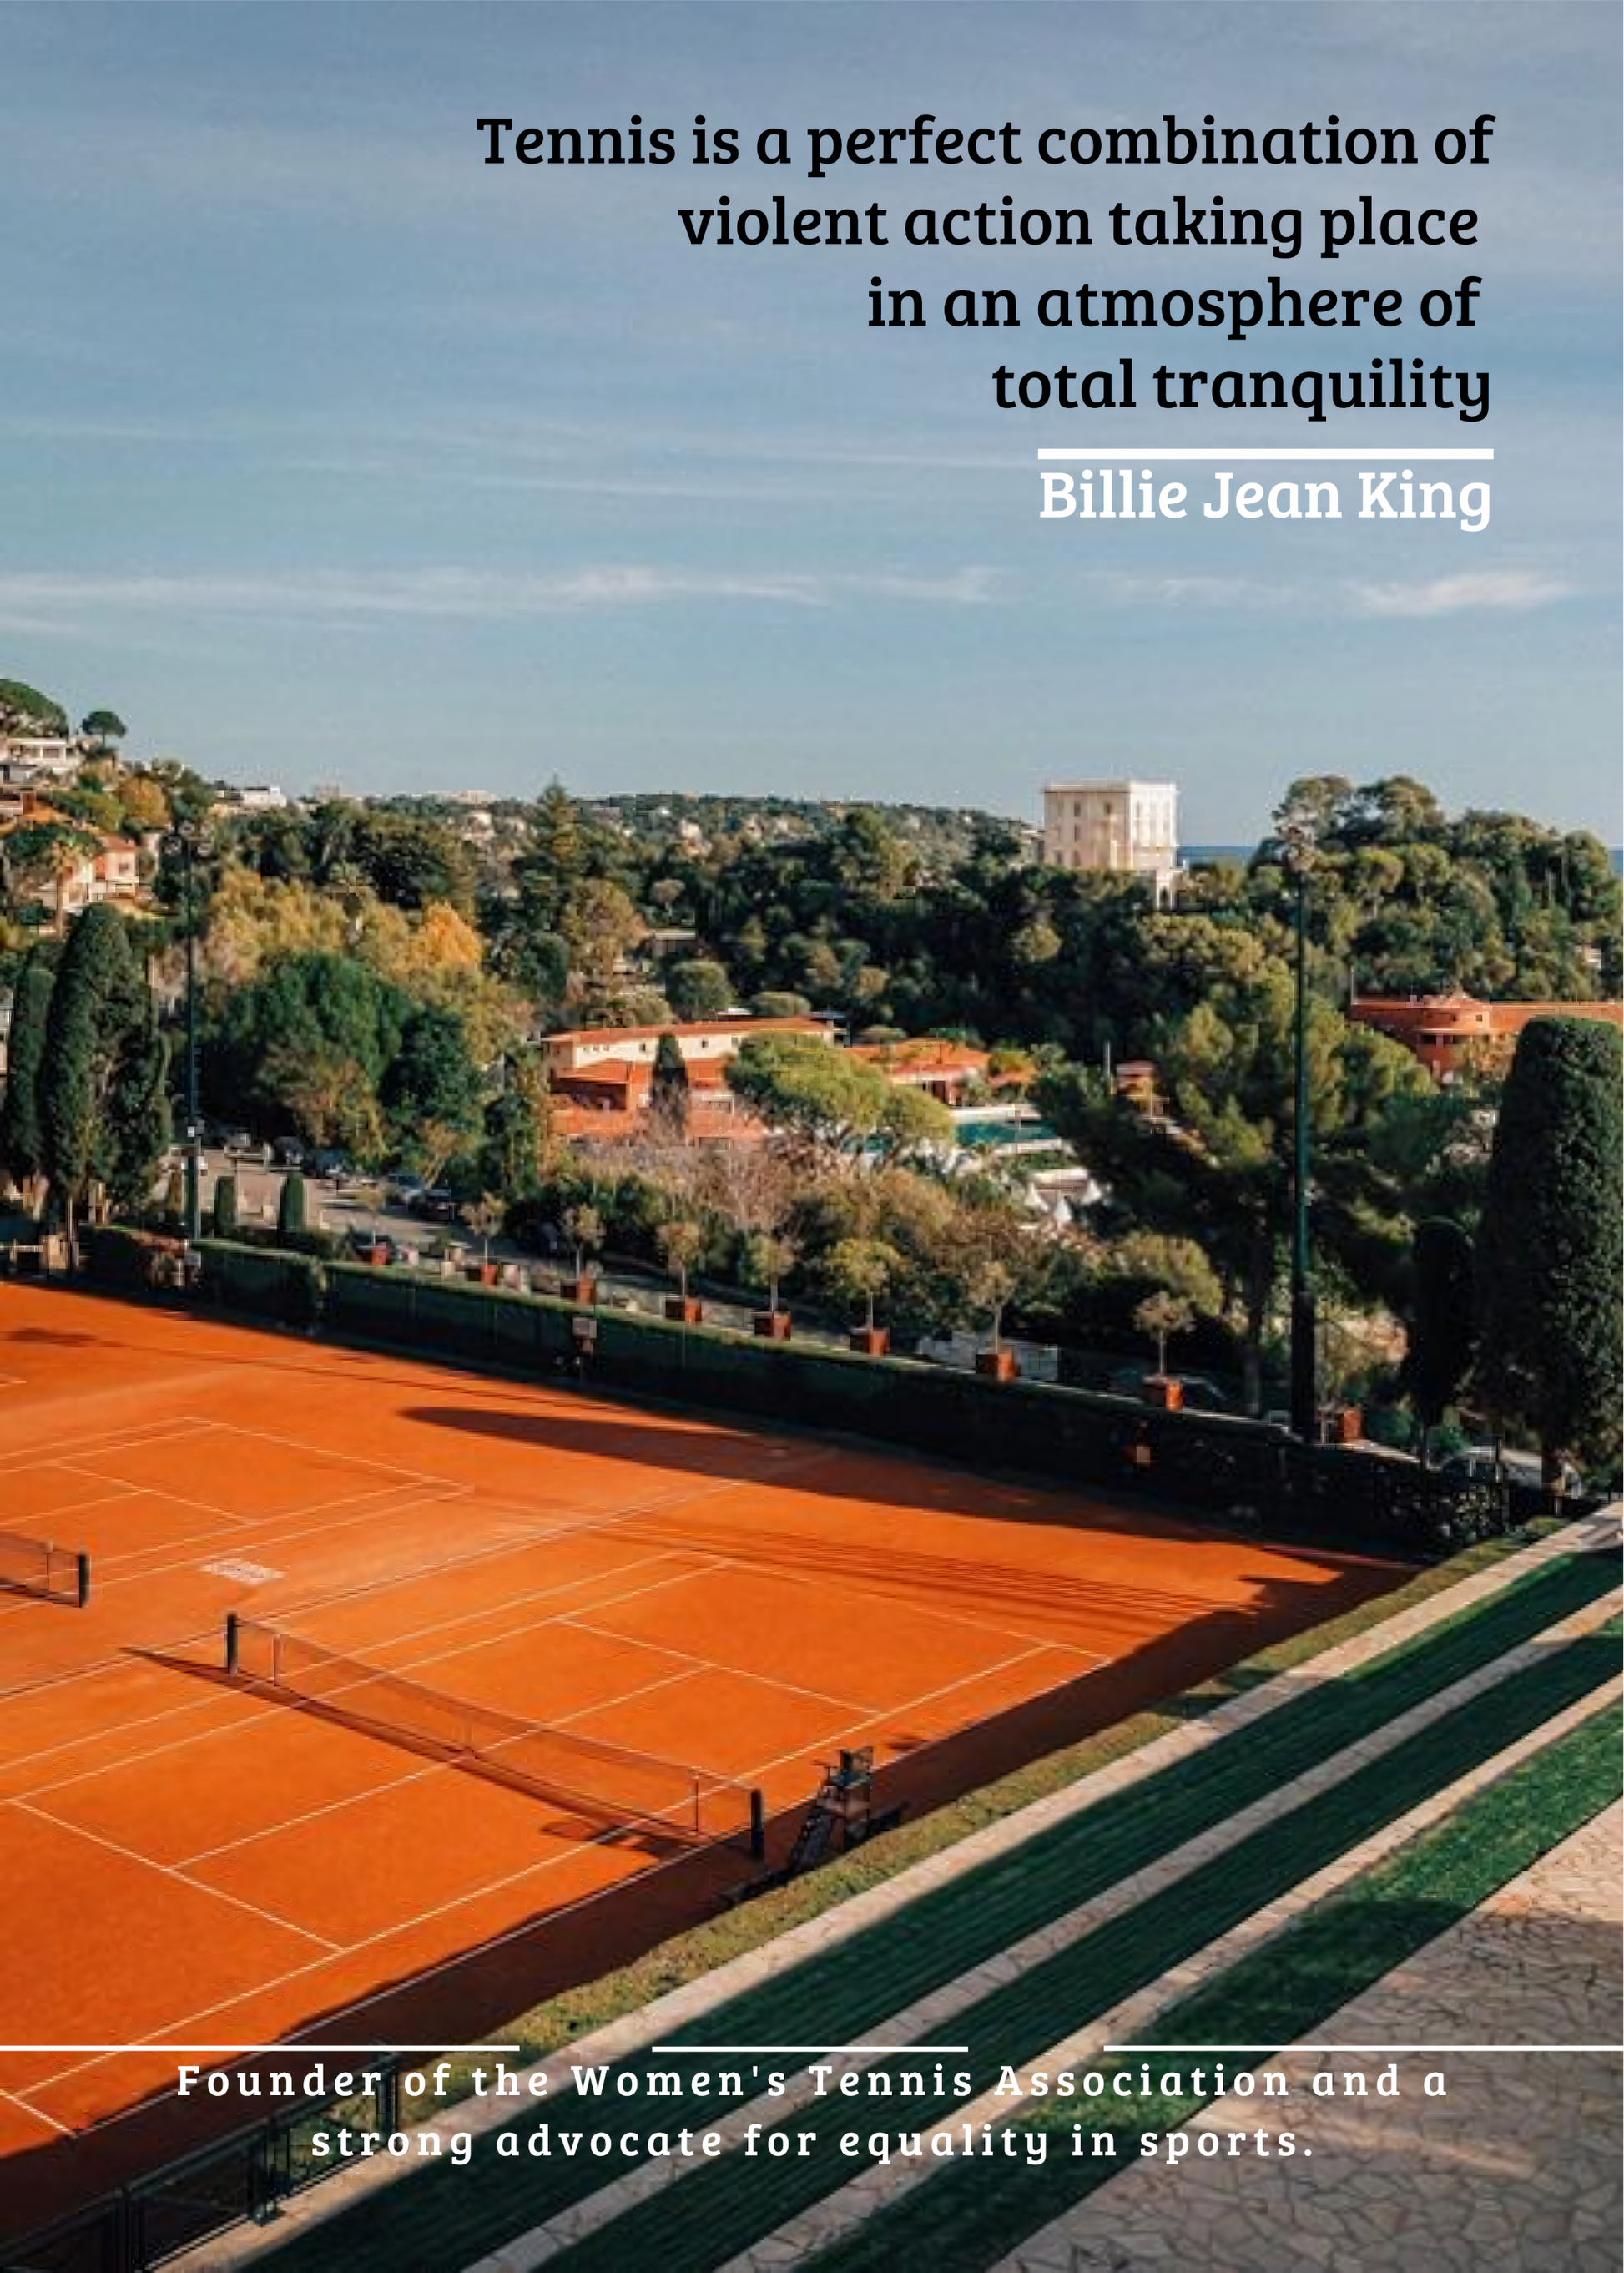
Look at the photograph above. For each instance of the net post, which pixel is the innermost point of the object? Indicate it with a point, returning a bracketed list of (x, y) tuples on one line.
[(231, 1642), (757, 1825), (82, 1577)]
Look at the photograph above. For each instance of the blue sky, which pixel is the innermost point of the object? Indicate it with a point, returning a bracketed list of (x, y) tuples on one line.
[(328, 452)]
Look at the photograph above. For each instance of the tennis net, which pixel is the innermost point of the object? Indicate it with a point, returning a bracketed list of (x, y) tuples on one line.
[(35, 1566), (606, 1782)]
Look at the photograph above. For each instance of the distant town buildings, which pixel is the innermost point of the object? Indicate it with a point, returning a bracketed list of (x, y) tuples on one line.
[(1124, 828), (40, 757)]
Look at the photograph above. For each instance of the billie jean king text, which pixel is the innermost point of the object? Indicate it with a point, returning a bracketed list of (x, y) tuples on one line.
[(1121, 493)]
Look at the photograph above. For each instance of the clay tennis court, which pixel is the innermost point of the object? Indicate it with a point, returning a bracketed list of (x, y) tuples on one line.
[(187, 1860)]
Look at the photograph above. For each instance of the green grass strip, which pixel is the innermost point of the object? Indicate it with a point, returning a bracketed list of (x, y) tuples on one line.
[(969, 2215), (831, 1999)]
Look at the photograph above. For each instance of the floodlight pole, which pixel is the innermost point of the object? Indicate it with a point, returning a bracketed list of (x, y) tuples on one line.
[(1297, 835), (184, 842)]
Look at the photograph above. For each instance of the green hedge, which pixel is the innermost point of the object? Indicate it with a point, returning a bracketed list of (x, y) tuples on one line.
[(265, 1281), (1237, 1469)]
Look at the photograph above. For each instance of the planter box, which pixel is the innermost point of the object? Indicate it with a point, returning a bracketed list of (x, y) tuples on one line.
[(1347, 1425), (579, 1290), (997, 1365), (377, 1256), (683, 1309), (870, 1341), (1165, 1391), (484, 1274), (772, 1325)]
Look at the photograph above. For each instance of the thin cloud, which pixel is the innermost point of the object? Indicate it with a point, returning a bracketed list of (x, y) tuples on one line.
[(468, 593), (1514, 589)]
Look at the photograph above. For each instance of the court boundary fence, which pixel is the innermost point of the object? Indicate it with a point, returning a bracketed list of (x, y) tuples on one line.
[(1243, 1473), (243, 2178)]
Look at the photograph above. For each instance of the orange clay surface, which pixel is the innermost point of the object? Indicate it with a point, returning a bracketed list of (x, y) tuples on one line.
[(186, 1862)]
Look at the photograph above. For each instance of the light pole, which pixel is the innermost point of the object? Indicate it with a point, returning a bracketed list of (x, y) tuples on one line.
[(1297, 839), (184, 843)]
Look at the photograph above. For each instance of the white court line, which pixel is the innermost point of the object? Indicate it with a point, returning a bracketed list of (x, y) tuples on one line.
[(63, 2129), (196, 1885)]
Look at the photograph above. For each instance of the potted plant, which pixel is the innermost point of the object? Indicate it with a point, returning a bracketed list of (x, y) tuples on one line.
[(989, 1284), (681, 1245), (583, 1228), (863, 1270), (770, 1257), (1160, 1316), (484, 1217)]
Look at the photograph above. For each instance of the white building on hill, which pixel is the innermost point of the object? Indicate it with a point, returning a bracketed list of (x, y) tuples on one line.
[(1125, 828)]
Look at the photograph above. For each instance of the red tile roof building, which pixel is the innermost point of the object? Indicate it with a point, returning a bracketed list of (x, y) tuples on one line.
[(1446, 1031)]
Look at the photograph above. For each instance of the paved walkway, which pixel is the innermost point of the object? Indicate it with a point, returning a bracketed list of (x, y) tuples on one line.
[(687, 2004)]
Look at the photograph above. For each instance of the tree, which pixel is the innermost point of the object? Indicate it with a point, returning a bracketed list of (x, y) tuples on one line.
[(681, 1244), (989, 1285), (1161, 1316), (698, 988), (583, 1228), (42, 855), (312, 1037), (103, 727), (22, 1136), (483, 1217), (1441, 1325), (25, 710), (767, 1258), (1213, 1167), (668, 1091), (863, 1270), (433, 1075), (1548, 1249), (828, 1099), (913, 1121), (225, 1208), (103, 1060), (602, 925), (291, 1212), (518, 1137)]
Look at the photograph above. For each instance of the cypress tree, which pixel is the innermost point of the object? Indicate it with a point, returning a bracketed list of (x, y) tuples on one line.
[(22, 1135), (290, 1208), (667, 1091), (101, 1064), (1442, 1326), (1548, 1251), (225, 1208)]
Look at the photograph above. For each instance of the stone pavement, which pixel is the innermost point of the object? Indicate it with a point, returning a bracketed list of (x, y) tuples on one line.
[(1515, 2171)]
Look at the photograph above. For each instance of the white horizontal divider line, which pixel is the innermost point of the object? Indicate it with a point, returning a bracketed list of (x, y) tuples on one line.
[(1284, 2049), (304, 2052), (809, 2048), (1226, 457)]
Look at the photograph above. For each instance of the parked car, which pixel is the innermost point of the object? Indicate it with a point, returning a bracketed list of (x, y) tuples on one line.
[(401, 1191), (233, 1139), (435, 1204), (288, 1153), (1475, 1464), (1201, 1395), (330, 1164)]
